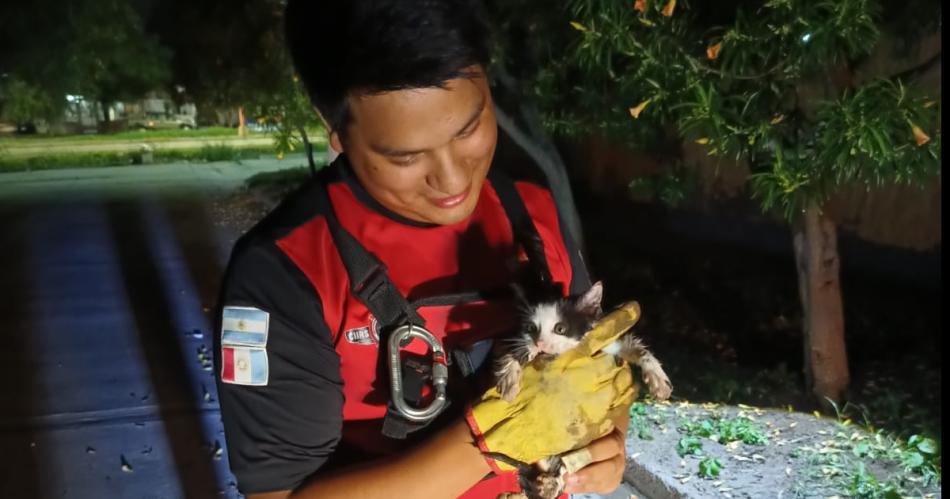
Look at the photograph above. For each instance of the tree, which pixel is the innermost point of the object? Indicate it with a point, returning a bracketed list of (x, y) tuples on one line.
[(770, 83), (227, 53), (95, 48), (23, 102), (113, 56)]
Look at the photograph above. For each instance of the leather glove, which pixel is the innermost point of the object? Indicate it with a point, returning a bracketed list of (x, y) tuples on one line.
[(565, 403)]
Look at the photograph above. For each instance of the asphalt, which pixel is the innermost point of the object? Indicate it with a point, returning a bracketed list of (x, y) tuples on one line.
[(107, 276), (125, 182), (106, 279)]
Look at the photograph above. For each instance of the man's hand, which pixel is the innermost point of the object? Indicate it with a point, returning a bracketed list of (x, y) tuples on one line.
[(564, 404), (605, 473)]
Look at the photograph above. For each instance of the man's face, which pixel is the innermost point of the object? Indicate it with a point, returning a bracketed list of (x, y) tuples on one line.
[(423, 153)]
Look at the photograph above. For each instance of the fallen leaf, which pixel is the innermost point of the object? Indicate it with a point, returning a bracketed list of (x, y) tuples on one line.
[(702, 140), (778, 118)]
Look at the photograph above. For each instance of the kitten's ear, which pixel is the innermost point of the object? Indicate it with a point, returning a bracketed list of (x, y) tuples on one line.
[(589, 302)]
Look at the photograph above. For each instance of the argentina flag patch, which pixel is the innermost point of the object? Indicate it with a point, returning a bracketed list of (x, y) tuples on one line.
[(244, 346)]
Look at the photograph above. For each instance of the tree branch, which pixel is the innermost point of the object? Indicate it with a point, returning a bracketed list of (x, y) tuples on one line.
[(919, 70)]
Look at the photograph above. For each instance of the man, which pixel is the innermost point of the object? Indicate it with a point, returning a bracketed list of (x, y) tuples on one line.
[(401, 86)]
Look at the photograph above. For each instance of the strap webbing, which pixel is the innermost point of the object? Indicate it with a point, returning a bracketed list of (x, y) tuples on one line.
[(369, 280), (525, 232)]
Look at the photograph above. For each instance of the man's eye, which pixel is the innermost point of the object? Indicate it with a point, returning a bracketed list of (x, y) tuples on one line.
[(404, 160), (469, 131)]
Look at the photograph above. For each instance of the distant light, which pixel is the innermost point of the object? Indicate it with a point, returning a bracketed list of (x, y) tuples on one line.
[(73, 98), (806, 37)]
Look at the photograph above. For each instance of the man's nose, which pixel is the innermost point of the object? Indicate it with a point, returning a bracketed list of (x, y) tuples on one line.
[(449, 175)]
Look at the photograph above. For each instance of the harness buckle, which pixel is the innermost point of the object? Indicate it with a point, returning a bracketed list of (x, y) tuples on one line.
[(401, 337)]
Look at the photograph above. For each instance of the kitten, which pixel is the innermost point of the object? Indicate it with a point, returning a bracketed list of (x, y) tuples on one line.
[(552, 325)]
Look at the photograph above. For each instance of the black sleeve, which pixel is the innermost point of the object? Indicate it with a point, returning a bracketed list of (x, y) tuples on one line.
[(280, 433)]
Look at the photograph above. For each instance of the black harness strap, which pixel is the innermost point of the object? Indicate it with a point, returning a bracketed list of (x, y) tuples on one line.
[(522, 226), (370, 282)]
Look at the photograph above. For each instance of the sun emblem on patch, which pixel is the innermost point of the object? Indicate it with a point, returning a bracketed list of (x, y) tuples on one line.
[(241, 325)]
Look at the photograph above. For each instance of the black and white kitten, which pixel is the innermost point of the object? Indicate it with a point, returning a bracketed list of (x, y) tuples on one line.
[(550, 326)]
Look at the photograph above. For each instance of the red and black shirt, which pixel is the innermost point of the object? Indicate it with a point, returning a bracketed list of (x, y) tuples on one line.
[(322, 392)]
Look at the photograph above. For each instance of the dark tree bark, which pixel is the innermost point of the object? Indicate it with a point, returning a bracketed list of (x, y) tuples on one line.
[(819, 285)]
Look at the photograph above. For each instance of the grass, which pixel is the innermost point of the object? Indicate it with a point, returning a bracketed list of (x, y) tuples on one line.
[(210, 132), (135, 135), (208, 153)]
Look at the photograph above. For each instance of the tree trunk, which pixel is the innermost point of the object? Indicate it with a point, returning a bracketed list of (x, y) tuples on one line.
[(819, 285), (242, 131), (104, 109)]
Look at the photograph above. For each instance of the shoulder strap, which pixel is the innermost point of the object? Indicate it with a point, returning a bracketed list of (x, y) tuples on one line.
[(522, 225), (369, 280)]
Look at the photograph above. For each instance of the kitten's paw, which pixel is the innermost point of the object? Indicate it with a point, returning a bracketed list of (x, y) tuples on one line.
[(658, 383), (549, 486), (509, 381)]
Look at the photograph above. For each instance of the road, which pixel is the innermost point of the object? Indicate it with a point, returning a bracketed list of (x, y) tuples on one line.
[(123, 182), (107, 277)]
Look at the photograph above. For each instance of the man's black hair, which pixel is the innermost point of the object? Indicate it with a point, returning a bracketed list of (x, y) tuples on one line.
[(358, 47)]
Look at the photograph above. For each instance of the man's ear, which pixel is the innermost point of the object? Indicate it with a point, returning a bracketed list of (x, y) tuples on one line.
[(333, 137), (335, 143)]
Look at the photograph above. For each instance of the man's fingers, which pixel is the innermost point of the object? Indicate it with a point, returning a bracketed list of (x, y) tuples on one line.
[(600, 477), (607, 446)]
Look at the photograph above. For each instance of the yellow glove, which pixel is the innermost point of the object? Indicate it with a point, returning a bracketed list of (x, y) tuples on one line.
[(563, 404)]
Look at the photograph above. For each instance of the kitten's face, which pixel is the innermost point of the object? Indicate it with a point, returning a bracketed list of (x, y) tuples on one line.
[(556, 326)]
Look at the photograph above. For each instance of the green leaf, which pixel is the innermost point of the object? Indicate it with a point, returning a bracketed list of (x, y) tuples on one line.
[(709, 467), (927, 446), (913, 460)]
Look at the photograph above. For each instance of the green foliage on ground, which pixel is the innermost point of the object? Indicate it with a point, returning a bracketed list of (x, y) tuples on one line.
[(852, 463), (725, 430)]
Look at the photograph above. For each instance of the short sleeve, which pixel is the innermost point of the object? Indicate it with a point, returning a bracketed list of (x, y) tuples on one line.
[(281, 432)]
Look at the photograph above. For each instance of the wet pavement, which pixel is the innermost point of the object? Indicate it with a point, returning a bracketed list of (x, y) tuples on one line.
[(106, 281)]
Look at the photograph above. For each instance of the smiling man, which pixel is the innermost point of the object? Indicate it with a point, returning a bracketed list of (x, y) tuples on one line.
[(410, 224)]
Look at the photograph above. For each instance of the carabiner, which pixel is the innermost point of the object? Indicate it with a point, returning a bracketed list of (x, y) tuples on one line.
[(401, 337)]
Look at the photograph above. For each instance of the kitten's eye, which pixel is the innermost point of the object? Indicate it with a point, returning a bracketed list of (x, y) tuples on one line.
[(531, 328), (560, 328)]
